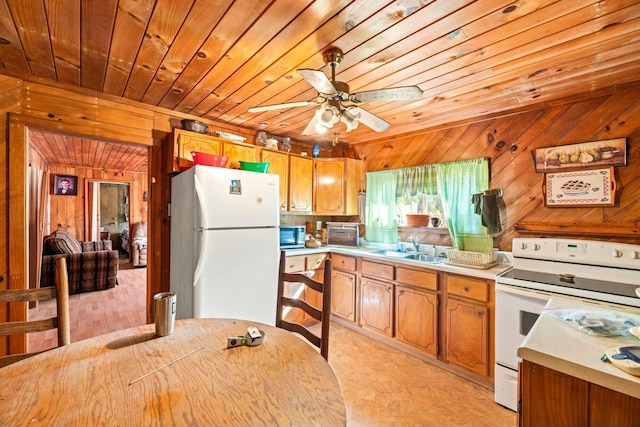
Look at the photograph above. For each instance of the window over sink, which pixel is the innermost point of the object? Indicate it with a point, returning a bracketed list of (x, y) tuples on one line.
[(442, 190)]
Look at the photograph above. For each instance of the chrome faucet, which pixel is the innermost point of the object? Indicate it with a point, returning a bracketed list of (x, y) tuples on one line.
[(416, 244)]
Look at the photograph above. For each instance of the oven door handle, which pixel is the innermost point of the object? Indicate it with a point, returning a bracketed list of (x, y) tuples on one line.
[(508, 289)]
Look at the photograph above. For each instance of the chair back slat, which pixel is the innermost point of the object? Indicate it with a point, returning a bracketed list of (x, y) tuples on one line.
[(322, 315), (60, 293)]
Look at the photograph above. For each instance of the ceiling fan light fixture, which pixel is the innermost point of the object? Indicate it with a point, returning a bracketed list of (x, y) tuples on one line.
[(328, 117), (350, 118)]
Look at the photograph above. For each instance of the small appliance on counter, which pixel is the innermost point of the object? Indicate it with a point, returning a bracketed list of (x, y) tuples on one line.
[(292, 236), (343, 233)]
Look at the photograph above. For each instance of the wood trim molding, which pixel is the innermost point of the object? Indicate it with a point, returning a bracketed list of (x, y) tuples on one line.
[(571, 229)]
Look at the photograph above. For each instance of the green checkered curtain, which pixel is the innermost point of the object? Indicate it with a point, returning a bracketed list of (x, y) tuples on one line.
[(457, 182), (417, 179)]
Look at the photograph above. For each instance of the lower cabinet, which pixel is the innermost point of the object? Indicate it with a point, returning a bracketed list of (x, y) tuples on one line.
[(467, 324), (343, 287), (445, 317), (313, 266), (552, 398), (416, 309), (376, 297), (376, 306), (417, 318)]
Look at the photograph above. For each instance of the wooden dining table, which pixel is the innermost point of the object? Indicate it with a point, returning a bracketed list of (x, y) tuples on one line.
[(190, 377)]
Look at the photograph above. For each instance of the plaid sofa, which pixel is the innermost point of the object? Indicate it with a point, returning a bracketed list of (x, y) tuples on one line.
[(91, 266)]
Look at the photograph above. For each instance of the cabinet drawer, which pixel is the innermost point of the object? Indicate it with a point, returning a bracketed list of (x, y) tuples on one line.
[(342, 262), (468, 287), (315, 261), (421, 278), (373, 269), (295, 263)]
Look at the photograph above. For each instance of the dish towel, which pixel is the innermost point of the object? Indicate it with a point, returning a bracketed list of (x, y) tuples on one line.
[(486, 205)]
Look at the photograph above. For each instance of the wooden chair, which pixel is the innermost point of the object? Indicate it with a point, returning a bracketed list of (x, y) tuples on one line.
[(323, 315), (18, 296)]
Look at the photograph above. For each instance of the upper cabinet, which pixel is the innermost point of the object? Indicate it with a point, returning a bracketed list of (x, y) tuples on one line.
[(238, 152), (326, 186), (279, 165), (182, 143), (336, 184), (300, 184)]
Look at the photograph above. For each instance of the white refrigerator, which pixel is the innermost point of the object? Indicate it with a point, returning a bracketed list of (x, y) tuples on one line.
[(225, 244)]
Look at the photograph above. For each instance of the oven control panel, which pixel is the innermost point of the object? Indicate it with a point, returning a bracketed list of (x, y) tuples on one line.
[(589, 252)]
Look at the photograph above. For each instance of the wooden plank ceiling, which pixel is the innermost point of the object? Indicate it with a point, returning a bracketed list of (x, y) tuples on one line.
[(217, 58)]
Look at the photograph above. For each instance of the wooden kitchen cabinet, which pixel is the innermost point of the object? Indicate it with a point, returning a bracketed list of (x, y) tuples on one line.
[(416, 309), (300, 184), (343, 287), (468, 324), (313, 266), (183, 142), (552, 398), (279, 165), (377, 297), (238, 152), (336, 183)]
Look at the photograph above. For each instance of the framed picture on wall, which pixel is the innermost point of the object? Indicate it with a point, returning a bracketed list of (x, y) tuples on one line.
[(65, 185), (608, 152), (593, 187)]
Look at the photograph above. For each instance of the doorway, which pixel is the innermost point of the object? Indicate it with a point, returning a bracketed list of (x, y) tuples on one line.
[(109, 217)]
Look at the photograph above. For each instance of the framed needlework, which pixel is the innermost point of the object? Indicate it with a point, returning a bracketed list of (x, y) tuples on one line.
[(592, 187)]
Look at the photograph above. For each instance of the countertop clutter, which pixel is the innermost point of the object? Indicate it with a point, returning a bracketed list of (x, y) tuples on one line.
[(489, 273), (556, 344)]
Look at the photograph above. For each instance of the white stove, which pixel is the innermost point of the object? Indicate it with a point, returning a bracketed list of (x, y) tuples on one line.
[(599, 273)]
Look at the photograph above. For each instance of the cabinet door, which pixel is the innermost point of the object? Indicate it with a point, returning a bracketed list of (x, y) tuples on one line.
[(300, 184), (551, 398), (279, 165), (376, 306), (237, 153), (417, 318), (467, 335), (343, 295), (184, 142), (329, 187)]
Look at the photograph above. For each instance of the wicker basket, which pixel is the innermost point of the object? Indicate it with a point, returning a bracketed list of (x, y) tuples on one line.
[(472, 259)]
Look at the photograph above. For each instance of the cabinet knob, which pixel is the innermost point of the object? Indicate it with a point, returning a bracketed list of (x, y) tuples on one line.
[(401, 293), (465, 288), (479, 313)]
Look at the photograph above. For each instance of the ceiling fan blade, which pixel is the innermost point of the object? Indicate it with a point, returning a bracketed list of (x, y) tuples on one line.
[(280, 106), (318, 80), (369, 119), (311, 127), (404, 93)]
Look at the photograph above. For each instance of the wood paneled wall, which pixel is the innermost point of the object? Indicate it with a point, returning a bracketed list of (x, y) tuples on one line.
[(509, 143), (68, 212)]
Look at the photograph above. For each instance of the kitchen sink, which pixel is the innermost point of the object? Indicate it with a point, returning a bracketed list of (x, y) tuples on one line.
[(430, 259), (391, 253), (425, 258)]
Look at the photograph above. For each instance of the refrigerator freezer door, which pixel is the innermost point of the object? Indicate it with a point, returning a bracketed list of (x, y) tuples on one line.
[(230, 198), (239, 278)]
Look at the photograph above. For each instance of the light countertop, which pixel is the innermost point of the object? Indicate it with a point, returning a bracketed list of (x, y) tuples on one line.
[(489, 273), (555, 344)]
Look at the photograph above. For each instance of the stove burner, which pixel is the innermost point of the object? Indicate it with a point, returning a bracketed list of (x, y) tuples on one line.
[(600, 286)]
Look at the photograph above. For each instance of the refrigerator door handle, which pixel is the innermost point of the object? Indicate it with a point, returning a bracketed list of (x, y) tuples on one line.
[(203, 209), (203, 216), (200, 264)]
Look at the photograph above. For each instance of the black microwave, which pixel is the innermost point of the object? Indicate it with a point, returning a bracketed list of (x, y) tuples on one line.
[(292, 236)]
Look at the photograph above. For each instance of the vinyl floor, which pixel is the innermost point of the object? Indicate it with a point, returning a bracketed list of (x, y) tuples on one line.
[(382, 386)]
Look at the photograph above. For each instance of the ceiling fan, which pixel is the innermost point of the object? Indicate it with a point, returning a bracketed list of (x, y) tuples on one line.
[(337, 104)]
